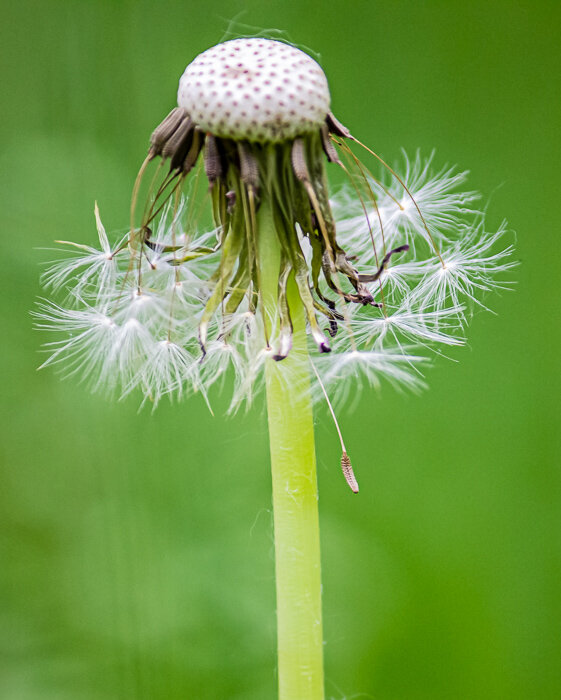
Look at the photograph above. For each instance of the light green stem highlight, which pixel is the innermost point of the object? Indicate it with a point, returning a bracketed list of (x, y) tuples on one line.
[(295, 495)]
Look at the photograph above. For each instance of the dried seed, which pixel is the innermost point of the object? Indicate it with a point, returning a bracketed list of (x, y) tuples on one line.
[(348, 473)]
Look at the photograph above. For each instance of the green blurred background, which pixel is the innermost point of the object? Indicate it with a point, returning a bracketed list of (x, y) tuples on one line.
[(136, 548)]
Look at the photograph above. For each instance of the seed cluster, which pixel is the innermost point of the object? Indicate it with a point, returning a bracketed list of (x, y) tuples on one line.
[(255, 89), (382, 271)]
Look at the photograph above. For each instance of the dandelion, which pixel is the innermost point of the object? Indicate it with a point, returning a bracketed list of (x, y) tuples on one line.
[(307, 294)]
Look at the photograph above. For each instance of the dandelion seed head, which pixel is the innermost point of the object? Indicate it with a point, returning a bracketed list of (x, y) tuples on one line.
[(384, 271)]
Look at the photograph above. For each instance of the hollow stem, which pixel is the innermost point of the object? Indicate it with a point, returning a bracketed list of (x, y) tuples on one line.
[(295, 496)]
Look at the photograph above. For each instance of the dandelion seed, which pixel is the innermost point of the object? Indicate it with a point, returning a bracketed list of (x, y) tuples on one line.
[(346, 466), (471, 267), (168, 369), (88, 267), (346, 373), (90, 336), (410, 324)]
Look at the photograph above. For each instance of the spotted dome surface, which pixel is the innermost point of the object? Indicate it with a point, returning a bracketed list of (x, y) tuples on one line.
[(255, 89)]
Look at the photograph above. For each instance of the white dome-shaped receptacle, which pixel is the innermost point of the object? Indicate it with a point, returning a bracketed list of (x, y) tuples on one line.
[(255, 89)]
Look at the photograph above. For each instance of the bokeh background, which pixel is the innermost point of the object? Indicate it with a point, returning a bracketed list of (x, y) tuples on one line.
[(136, 548)]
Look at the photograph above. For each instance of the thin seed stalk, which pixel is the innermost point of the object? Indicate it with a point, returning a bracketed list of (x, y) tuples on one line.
[(295, 495)]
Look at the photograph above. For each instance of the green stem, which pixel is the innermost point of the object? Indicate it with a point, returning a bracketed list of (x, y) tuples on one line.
[(295, 496)]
